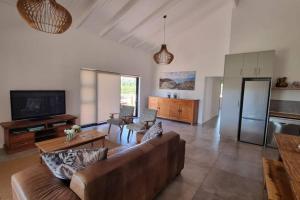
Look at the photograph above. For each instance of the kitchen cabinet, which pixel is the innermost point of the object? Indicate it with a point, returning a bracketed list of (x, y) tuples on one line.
[(249, 68), (230, 109), (250, 65), (265, 64), (234, 65), (237, 67), (184, 110)]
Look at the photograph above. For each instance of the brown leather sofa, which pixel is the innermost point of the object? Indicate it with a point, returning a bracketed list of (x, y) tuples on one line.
[(137, 173)]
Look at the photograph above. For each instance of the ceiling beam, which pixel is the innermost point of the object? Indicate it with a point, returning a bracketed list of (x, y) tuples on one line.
[(117, 17), (89, 11), (156, 13), (194, 14)]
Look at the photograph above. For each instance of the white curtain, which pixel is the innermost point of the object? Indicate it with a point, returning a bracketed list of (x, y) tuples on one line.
[(109, 95), (88, 93)]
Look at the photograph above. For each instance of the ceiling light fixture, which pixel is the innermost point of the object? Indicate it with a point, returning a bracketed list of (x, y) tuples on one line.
[(163, 56), (45, 15)]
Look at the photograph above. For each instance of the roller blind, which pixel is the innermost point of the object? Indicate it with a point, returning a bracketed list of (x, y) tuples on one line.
[(109, 94), (88, 97)]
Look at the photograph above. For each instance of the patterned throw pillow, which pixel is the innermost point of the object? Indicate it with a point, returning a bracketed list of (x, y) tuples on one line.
[(154, 131), (63, 164)]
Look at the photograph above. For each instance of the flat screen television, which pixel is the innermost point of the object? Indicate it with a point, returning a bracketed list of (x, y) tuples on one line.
[(35, 104)]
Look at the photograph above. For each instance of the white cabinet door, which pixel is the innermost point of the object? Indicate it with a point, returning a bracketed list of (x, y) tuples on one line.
[(230, 110), (233, 65), (250, 67), (266, 63)]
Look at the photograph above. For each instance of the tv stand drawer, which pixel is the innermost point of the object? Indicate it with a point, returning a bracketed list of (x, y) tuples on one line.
[(21, 138), (21, 145)]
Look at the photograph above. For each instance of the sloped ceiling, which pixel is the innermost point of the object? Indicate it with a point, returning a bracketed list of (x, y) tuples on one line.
[(137, 23)]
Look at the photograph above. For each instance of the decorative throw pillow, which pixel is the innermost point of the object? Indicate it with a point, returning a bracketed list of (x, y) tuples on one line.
[(154, 131), (63, 164)]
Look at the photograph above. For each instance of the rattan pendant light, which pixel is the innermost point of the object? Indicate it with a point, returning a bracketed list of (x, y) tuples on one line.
[(45, 15), (163, 56)]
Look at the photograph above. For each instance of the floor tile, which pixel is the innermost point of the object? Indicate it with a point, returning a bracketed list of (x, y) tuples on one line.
[(247, 169), (229, 185)]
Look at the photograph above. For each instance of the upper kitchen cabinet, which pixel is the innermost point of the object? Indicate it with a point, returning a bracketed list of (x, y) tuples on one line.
[(247, 65), (266, 63), (234, 65), (250, 65)]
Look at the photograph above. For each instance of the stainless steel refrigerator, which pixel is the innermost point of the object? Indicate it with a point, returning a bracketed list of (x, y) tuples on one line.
[(254, 110)]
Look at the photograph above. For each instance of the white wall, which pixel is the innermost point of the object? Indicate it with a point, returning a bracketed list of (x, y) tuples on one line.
[(35, 60), (270, 24), (201, 49), (211, 99)]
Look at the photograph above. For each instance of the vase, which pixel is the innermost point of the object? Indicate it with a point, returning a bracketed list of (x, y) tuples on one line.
[(70, 137)]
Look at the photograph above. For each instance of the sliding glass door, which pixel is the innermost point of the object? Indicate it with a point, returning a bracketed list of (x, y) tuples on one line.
[(130, 92), (102, 93)]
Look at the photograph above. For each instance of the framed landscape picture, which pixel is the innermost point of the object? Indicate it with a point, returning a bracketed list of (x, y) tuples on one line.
[(184, 80)]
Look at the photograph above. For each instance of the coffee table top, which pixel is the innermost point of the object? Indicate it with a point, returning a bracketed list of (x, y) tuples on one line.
[(60, 143)]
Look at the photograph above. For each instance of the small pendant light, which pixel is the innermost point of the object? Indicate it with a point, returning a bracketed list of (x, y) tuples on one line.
[(163, 56)]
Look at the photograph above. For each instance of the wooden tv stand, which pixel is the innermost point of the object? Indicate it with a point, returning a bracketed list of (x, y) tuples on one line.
[(21, 135)]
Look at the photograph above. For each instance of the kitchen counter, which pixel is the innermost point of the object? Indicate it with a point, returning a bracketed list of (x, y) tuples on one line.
[(282, 122), (284, 115)]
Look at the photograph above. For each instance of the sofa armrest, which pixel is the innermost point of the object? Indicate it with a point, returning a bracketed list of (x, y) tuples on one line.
[(181, 157), (37, 182)]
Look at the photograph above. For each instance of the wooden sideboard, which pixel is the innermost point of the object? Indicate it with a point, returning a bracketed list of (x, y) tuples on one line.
[(21, 135), (184, 110)]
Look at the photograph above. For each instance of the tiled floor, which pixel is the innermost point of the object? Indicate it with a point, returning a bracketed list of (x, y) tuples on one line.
[(214, 168)]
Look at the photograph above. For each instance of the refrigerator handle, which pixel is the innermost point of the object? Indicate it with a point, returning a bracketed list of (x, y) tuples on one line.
[(238, 103)]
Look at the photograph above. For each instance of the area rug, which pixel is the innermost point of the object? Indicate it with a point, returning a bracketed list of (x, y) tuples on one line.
[(11, 166)]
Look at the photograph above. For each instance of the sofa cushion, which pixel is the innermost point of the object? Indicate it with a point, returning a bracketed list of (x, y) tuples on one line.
[(63, 164), (155, 131)]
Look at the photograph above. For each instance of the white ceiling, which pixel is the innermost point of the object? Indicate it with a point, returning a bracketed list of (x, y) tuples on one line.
[(137, 23)]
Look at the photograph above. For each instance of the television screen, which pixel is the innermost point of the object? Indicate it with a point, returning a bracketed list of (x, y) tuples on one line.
[(36, 104)]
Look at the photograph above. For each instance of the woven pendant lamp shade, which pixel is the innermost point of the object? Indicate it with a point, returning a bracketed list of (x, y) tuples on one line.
[(45, 15), (163, 56)]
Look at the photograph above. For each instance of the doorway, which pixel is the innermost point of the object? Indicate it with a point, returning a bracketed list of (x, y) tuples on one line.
[(130, 92), (102, 93), (212, 97)]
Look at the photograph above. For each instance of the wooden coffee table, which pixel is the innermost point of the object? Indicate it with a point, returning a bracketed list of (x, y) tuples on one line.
[(60, 143)]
